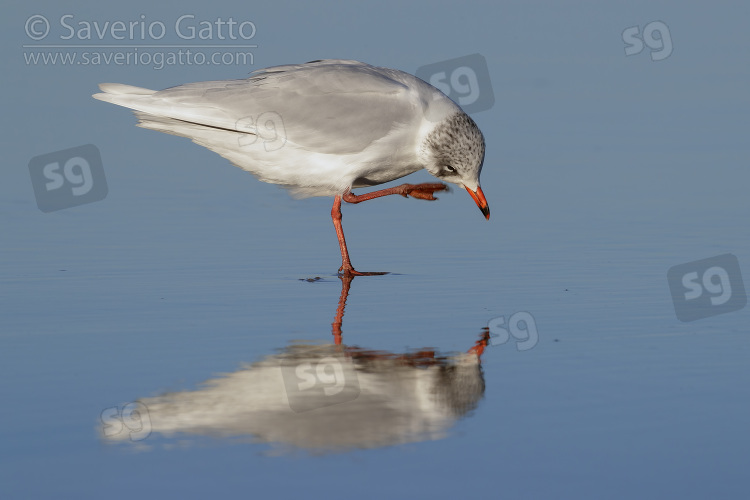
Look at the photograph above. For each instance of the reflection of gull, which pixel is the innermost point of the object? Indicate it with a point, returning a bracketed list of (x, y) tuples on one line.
[(322, 129), (370, 399), (320, 397)]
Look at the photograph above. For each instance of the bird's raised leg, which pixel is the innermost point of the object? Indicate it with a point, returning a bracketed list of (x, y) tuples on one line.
[(420, 191)]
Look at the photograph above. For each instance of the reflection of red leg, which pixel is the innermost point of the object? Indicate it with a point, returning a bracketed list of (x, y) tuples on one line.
[(346, 282)]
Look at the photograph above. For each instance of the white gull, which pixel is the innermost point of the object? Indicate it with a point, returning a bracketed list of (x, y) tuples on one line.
[(322, 129)]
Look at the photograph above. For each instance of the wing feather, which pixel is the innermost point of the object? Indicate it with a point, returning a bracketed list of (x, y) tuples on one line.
[(330, 107)]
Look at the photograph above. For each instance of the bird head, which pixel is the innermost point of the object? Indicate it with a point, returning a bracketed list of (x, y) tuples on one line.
[(454, 152)]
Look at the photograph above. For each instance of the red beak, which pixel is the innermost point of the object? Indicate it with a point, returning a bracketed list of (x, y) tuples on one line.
[(480, 200)]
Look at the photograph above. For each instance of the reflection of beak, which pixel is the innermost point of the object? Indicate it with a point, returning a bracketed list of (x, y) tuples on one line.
[(480, 200)]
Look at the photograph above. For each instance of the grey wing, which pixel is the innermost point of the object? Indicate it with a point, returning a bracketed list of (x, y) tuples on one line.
[(337, 107)]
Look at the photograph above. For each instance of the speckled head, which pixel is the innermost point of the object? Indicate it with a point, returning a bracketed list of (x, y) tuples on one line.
[(454, 152)]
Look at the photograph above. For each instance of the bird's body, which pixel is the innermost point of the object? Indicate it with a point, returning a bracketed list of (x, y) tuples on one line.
[(322, 128)]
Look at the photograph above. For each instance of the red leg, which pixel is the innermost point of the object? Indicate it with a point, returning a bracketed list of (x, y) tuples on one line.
[(346, 265), (421, 191)]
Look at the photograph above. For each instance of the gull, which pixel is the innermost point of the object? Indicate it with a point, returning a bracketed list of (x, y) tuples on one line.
[(323, 128)]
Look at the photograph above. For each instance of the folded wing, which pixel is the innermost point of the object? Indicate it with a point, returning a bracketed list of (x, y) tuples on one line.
[(329, 107)]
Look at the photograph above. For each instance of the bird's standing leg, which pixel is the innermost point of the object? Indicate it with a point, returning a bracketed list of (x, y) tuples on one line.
[(346, 265)]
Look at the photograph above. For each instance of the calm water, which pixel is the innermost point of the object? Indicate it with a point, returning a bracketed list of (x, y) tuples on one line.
[(187, 299)]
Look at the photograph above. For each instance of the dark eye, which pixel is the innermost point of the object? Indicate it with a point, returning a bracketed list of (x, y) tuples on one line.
[(450, 169)]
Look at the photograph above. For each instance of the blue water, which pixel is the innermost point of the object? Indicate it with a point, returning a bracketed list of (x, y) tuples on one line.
[(603, 171)]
